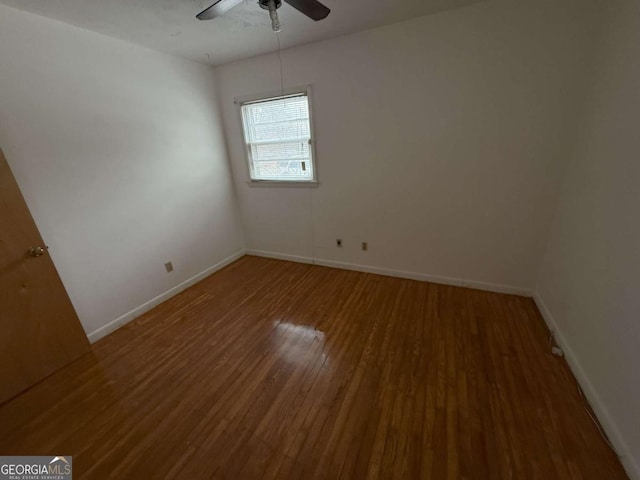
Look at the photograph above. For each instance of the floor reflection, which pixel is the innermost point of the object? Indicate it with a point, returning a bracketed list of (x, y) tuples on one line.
[(298, 344)]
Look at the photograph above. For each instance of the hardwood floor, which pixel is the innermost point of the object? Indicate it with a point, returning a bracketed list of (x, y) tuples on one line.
[(271, 369)]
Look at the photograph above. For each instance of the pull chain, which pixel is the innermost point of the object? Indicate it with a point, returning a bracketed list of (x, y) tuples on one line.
[(281, 69)]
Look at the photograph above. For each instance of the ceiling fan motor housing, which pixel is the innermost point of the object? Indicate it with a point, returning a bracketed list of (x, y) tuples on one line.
[(265, 3), (311, 8)]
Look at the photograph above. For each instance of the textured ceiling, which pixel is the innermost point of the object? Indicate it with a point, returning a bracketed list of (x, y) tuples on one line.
[(170, 25)]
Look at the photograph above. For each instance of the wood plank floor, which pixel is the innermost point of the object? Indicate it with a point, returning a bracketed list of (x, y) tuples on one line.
[(270, 369)]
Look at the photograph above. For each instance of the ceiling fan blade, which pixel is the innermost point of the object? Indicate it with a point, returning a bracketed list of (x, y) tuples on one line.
[(217, 9), (311, 8)]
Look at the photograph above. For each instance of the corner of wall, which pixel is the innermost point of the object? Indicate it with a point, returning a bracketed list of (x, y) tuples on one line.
[(604, 417)]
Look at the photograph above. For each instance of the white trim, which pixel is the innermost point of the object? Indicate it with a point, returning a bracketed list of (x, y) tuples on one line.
[(600, 409), (145, 307), (278, 183), (280, 256), (422, 277)]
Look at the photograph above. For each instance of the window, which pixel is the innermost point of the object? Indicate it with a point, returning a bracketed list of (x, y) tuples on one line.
[(277, 133)]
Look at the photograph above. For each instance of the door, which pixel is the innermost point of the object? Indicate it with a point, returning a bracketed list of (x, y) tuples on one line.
[(39, 329)]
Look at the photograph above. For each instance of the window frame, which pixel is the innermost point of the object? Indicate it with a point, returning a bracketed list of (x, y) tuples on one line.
[(241, 101)]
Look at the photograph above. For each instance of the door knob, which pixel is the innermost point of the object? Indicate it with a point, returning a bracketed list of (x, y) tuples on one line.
[(36, 251)]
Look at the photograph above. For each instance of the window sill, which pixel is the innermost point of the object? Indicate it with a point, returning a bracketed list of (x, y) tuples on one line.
[(285, 184)]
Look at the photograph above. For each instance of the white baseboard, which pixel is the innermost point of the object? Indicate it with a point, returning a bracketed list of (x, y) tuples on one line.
[(280, 256), (491, 287), (145, 307), (600, 409)]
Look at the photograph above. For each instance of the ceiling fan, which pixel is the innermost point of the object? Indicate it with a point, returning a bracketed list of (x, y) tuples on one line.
[(311, 8)]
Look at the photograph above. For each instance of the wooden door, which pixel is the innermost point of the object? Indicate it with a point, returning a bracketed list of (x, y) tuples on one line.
[(39, 329)]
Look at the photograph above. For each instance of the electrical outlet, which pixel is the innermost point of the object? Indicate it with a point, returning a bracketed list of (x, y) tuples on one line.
[(338, 242), (365, 247), (168, 267)]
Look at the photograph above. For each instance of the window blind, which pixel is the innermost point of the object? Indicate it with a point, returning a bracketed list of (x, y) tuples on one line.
[(278, 136)]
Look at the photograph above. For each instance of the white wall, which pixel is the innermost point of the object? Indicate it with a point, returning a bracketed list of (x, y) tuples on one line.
[(589, 285), (120, 155), (440, 141)]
